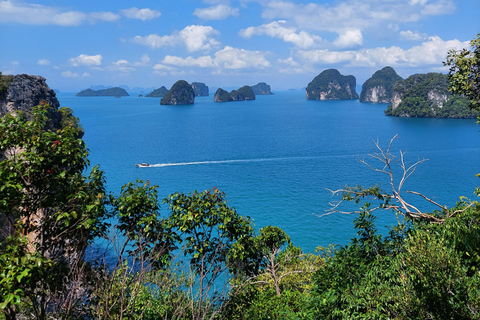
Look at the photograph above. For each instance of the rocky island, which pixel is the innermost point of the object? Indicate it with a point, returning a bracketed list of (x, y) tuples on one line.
[(157, 93), (331, 85), (379, 88), (200, 89), (427, 96), (180, 93), (242, 94), (262, 88), (110, 92)]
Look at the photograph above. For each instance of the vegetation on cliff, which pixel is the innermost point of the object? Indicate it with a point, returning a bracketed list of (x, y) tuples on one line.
[(110, 92), (242, 94), (157, 93), (331, 85), (379, 88), (427, 96), (200, 89), (5, 81), (180, 93)]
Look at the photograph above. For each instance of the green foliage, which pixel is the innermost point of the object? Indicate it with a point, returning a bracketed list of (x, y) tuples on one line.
[(332, 82), (5, 81), (384, 78), (45, 196), (222, 96), (160, 92), (464, 73), (180, 93), (110, 92), (247, 93)]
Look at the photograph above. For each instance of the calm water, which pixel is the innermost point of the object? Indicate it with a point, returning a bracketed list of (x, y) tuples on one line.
[(275, 156)]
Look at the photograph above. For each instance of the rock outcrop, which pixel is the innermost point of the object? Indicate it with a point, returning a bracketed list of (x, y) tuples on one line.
[(180, 93), (379, 88), (262, 88), (200, 89), (158, 93), (242, 94), (27, 91), (427, 96), (331, 85), (110, 92)]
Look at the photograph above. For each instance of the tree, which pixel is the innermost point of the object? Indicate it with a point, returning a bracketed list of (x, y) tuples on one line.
[(207, 229), (464, 73), (50, 213)]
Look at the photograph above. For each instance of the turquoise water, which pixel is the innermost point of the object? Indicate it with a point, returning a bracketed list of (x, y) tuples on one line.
[(275, 157)]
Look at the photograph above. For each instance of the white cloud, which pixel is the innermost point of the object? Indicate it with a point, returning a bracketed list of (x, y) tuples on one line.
[(430, 52), (194, 37), (43, 62), (234, 58), (35, 14), (155, 41), (354, 14), (142, 14), (227, 58), (218, 12), (280, 30), (199, 38), (412, 36), (349, 38), (69, 74), (86, 60)]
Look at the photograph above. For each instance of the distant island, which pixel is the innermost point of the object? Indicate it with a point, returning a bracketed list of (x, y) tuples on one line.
[(110, 92), (157, 93), (200, 89), (180, 93), (427, 96), (262, 88), (242, 94), (331, 85), (379, 88)]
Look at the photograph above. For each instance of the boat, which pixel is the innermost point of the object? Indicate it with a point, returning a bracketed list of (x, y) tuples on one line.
[(141, 165)]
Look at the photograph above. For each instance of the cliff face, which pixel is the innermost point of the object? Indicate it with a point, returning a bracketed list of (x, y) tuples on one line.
[(379, 88), (27, 91), (180, 93), (427, 96), (242, 94), (200, 89), (261, 88), (331, 85)]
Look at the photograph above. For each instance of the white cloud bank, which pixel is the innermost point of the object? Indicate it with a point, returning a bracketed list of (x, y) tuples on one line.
[(86, 60), (194, 37), (35, 14), (218, 12), (141, 14)]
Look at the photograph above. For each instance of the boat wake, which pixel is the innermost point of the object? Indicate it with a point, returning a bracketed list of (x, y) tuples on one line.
[(159, 165)]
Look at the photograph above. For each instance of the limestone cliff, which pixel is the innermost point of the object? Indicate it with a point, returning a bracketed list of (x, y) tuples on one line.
[(27, 91), (200, 89), (262, 88), (331, 85), (379, 88), (180, 93), (427, 96)]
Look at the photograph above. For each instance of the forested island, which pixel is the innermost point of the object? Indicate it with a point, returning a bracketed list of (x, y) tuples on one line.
[(55, 204), (158, 93), (110, 92), (427, 96), (242, 94), (180, 93), (379, 88), (331, 85)]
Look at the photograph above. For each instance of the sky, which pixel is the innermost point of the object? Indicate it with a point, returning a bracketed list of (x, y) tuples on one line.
[(148, 44)]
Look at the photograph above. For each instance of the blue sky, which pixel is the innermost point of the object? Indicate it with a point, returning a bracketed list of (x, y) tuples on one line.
[(143, 43)]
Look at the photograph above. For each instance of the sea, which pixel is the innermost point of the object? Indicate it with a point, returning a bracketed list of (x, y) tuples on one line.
[(278, 157)]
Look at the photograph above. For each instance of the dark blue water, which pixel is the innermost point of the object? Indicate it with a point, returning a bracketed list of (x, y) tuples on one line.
[(275, 157)]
